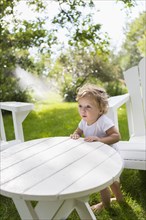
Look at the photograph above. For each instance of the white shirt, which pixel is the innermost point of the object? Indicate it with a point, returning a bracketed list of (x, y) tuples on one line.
[(98, 129)]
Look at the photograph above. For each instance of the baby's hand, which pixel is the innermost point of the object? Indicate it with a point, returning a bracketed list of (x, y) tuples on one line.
[(75, 136), (91, 139)]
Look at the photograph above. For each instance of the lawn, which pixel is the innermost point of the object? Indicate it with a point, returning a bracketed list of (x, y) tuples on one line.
[(60, 119)]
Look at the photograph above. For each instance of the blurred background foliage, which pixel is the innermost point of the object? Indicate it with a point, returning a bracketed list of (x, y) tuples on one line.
[(86, 57)]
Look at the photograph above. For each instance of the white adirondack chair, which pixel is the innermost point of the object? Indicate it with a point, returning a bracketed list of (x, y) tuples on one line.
[(134, 150), (19, 112)]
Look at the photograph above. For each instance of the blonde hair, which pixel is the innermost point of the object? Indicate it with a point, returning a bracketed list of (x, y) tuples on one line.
[(99, 95)]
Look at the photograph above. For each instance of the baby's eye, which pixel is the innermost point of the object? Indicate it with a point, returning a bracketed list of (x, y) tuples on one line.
[(80, 106), (88, 106)]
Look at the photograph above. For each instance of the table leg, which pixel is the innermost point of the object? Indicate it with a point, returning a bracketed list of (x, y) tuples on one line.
[(81, 206), (84, 210), (25, 209), (65, 209), (54, 209)]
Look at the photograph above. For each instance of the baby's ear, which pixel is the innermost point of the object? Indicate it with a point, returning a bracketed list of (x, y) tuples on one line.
[(101, 112)]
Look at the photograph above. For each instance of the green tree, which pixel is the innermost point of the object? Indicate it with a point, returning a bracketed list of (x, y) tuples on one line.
[(18, 36), (73, 69), (134, 47)]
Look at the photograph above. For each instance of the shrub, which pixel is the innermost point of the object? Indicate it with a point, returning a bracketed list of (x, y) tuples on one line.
[(11, 91)]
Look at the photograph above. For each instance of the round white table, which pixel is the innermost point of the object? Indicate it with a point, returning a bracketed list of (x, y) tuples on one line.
[(60, 173)]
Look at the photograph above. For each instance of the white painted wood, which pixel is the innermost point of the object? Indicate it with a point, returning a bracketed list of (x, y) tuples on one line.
[(84, 210), (133, 83), (138, 139), (25, 209), (130, 117), (117, 101), (142, 72), (64, 210), (18, 118), (19, 112), (40, 165), (16, 106), (133, 151), (135, 164), (56, 172), (47, 210), (6, 144), (114, 103)]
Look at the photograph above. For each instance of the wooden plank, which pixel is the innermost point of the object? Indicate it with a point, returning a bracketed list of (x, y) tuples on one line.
[(45, 164), (71, 174), (131, 77), (142, 71), (97, 179), (135, 164), (30, 149)]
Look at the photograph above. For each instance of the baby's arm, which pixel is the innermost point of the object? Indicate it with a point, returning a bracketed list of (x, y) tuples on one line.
[(77, 134), (112, 137)]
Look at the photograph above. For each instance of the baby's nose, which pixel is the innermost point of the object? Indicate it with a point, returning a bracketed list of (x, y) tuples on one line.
[(83, 109)]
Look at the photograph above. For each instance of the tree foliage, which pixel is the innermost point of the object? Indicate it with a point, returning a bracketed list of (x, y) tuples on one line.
[(134, 47), (18, 36), (73, 69)]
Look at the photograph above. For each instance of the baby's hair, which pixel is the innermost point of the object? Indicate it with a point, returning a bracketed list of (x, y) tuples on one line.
[(99, 95)]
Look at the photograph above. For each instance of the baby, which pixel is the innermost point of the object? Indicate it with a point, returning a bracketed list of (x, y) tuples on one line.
[(96, 126)]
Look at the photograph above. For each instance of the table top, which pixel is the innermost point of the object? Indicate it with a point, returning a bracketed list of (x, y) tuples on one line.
[(58, 168)]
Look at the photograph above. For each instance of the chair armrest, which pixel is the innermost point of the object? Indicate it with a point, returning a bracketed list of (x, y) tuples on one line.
[(117, 101), (16, 106), (114, 103)]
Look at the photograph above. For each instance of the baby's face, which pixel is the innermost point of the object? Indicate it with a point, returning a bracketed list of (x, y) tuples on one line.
[(89, 109)]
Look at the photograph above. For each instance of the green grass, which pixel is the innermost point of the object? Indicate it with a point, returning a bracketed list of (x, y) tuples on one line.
[(60, 119)]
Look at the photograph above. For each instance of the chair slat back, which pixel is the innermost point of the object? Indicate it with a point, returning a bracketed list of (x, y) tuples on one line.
[(142, 72), (134, 79)]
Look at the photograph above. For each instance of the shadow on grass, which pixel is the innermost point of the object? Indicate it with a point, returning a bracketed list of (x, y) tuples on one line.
[(120, 211), (134, 184), (116, 212), (7, 209)]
